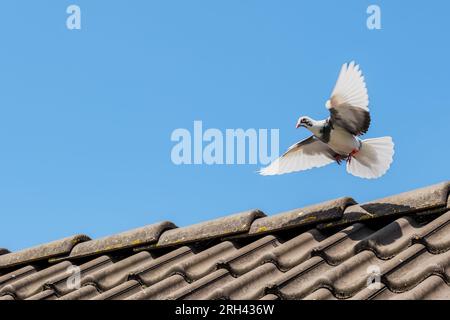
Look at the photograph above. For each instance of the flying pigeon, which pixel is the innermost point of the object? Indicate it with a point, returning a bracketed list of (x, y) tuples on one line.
[(336, 138)]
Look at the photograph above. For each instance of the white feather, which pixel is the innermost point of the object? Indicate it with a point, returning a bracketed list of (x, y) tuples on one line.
[(373, 159), (300, 158), (350, 89)]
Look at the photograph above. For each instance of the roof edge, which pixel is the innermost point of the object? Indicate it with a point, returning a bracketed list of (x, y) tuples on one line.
[(128, 239), (217, 228), (433, 199), (326, 211)]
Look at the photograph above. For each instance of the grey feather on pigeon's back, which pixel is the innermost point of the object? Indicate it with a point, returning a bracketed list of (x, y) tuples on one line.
[(326, 132), (353, 119)]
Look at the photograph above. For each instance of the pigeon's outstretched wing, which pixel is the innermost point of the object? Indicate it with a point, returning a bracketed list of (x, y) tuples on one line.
[(307, 154), (349, 102)]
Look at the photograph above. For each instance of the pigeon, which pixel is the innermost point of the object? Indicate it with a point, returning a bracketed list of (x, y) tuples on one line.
[(336, 138)]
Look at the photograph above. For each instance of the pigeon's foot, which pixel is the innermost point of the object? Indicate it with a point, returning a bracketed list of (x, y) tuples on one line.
[(351, 155), (338, 158)]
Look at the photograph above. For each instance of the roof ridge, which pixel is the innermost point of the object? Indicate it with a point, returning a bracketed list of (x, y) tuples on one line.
[(431, 199), (328, 214), (41, 252)]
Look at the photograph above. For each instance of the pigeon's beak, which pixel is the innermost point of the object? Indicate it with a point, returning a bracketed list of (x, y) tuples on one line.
[(298, 125)]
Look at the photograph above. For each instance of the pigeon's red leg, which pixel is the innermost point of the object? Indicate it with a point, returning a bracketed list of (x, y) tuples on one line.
[(351, 155)]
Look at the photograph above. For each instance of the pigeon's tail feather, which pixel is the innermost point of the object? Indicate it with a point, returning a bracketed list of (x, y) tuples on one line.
[(373, 159)]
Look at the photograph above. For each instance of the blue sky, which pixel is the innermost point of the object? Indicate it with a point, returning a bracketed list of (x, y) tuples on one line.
[(86, 115)]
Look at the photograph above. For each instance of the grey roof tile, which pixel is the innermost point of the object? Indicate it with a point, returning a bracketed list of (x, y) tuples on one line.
[(330, 210), (296, 250), (84, 293), (203, 287), (321, 294), (64, 283), (301, 280), (114, 274), (369, 293), (204, 262), (162, 289), (42, 252), (44, 295), (132, 238), (250, 286), (418, 268), (218, 228), (343, 245), (270, 296), (121, 292), (34, 283), (438, 239), (248, 257), (16, 275), (192, 267), (155, 270), (431, 288)]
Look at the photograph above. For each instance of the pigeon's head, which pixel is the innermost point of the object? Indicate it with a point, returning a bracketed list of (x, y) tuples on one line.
[(306, 122)]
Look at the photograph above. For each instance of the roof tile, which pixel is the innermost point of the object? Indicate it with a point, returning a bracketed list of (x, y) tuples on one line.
[(120, 292), (16, 275), (420, 267), (132, 238), (34, 283), (438, 240), (42, 252), (302, 279), (63, 284), (321, 294), (249, 256), (203, 287), (249, 286), (296, 250), (84, 293), (218, 228), (162, 289), (44, 295), (192, 267), (432, 288), (270, 296), (343, 245), (203, 262), (114, 274), (330, 210), (152, 271)]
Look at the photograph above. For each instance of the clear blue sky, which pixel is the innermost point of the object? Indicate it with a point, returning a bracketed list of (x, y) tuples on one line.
[(86, 115)]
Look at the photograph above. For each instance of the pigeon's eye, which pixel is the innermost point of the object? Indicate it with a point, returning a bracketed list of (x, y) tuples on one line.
[(306, 122)]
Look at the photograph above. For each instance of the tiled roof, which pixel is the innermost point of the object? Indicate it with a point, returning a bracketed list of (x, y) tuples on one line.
[(334, 250)]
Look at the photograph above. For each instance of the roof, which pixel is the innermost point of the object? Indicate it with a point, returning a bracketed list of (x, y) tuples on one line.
[(392, 248)]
